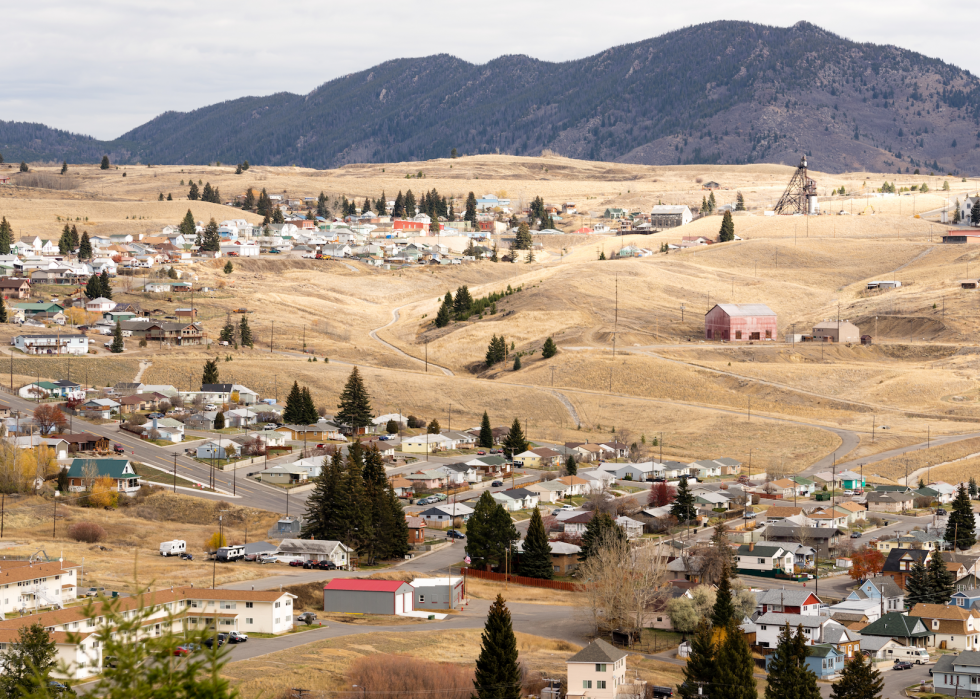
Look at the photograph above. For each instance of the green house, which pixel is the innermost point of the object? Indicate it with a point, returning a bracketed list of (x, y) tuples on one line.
[(120, 471)]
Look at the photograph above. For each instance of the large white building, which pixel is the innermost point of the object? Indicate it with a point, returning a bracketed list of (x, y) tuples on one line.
[(51, 344), (598, 671)]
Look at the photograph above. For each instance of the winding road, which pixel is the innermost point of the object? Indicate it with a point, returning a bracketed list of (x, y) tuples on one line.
[(394, 319)]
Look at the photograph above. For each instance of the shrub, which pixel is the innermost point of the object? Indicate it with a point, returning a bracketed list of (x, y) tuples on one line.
[(86, 532)]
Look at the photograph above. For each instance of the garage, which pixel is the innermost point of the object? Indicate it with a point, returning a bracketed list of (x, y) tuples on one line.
[(356, 596)]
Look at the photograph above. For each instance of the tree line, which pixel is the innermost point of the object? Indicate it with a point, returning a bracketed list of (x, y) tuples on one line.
[(463, 305)]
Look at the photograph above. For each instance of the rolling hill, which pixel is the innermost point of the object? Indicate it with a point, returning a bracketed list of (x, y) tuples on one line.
[(723, 92)]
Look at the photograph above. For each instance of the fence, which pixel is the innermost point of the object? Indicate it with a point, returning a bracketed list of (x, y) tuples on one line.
[(521, 580)]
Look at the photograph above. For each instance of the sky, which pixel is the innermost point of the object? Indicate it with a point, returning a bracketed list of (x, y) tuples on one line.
[(103, 67)]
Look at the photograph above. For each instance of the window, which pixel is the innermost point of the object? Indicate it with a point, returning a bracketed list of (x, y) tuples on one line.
[(421, 599), (768, 334), (227, 622), (738, 334), (586, 684), (248, 605), (249, 621), (277, 605), (600, 667), (555, 569), (227, 605), (600, 684), (761, 561)]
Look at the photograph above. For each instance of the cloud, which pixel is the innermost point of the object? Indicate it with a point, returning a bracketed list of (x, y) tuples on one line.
[(106, 66)]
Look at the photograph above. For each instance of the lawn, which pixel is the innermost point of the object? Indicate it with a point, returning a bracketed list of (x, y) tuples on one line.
[(152, 475)]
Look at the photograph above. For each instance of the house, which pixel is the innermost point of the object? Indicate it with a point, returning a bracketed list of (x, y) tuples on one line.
[(889, 502), (704, 469), (201, 421), (729, 466), (427, 443), (83, 472), (836, 331), (633, 529), (828, 518), (548, 491), (598, 671), (596, 479), (416, 530), (753, 559), (804, 556), (882, 647), (825, 660), (899, 564), (790, 601), (576, 485), (361, 596), (99, 305), (285, 474), (446, 515), (564, 556), (634, 471), (731, 322), (15, 287), (855, 512), (576, 525), (51, 344), (785, 515), (957, 675), (880, 588), (824, 540), (903, 628), (587, 452), (771, 624), (432, 479), (165, 428), (952, 627), (84, 441), (866, 609), (670, 216), (317, 550)]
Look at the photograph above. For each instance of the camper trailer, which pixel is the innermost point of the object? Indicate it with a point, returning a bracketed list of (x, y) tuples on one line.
[(173, 548)]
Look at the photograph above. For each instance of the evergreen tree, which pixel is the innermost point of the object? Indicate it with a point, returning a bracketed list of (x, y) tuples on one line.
[(571, 466), (410, 210), (860, 679), (208, 194), (117, 340), (219, 420), (211, 240), (972, 488), (683, 507), (485, 439), (727, 232), (105, 288), (238, 170), (711, 203), (389, 527), (170, 197), (84, 247), (64, 242), (398, 210), (975, 213), (462, 303), (942, 581), (917, 589), (3, 311), (227, 332), (496, 350), (194, 193), (75, 240), (723, 614), (293, 412), (64, 167), (321, 205), (322, 519), (278, 217), (444, 315), (470, 214), (188, 227), (498, 673), (354, 510), (700, 670), (354, 410), (523, 239), (739, 202), (382, 204), (515, 442), (536, 558), (490, 532), (93, 288), (960, 527), (549, 349), (494, 257), (6, 236), (789, 677), (245, 333), (517, 363), (735, 666), (210, 375), (310, 414), (433, 427), (105, 163), (600, 530), (28, 662), (229, 267)]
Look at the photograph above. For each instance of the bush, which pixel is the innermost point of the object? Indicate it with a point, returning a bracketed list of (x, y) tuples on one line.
[(86, 532), (414, 422), (410, 678)]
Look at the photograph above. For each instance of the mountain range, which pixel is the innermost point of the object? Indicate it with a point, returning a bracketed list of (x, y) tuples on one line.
[(722, 92)]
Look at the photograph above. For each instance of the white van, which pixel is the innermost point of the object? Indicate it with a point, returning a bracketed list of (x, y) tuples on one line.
[(918, 656), (173, 548)]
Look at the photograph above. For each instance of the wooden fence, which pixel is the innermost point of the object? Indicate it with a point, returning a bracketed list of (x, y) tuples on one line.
[(522, 580)]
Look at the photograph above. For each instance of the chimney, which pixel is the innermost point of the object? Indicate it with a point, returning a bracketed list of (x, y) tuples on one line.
[(751, 546)]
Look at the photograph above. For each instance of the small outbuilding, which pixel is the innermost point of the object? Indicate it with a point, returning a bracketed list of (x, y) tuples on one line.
[(836, 331), (968, 283), (360, 596), (438, 593)]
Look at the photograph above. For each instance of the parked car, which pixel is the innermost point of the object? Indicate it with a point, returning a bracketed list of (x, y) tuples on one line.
[(237, 637), (297, 563), (453, 534), (186, 649), (902, 665), (210, 406), (222, 639), (275, 251), (326, 565), (496, 451), (57, 688), (440, 497), (855, 535), (94, 591), (269, 426), (307, 565), (941, 512), (306, 617), (481, 453), (119, 448), (155, 415), (187, 556), (497, 484), (848, 493), (662, 692)]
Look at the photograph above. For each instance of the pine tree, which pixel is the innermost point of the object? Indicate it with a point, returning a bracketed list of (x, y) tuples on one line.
[(723, 614), (354, 410), (571, 466), (210, 375), (227, 332), (860, 679), (211, 240), (444, 315), (975, 213), (496, 351), (600, 530), (188, 227), (6, 236), (515, 442), (683, 507), (3, 311), (498, 674), (229, 267), (293, 412), (84, 247), (75, 240), (219, 420), (322, 520), (117, 339), (64, 242), (523, 239), (490, 532), (700, 671), (410, 210), (485, 439), (354, 511), (711, 203), (470, 214), (727, 232), (194, 193), (739, 202), (549, 349), (28, 662), (105, 163), (93, 288), (517, 363), (972, 488), (207, 195), (942, 581), (389, 530), (64, 167), (735, 665), (917, 589), (789, 677), (462, 303), (382, 204), (398, 210), (310, 414), (245, 333), (960, 527), (105, 288), (536, 558)]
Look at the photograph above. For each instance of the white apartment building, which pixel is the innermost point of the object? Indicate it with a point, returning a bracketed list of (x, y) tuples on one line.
[(51, 344)]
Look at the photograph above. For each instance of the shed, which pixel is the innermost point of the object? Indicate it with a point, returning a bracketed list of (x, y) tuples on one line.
[(359, 596), (740, 322), (438, 593), (968, 283), (836, 331)]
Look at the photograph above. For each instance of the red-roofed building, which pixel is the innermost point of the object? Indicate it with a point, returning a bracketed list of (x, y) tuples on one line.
[(360, 596)]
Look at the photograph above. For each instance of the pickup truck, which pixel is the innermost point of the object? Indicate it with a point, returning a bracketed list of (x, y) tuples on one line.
[(94, 591)]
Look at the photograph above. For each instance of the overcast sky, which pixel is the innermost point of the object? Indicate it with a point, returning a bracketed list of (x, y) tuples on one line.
[(102, 67)]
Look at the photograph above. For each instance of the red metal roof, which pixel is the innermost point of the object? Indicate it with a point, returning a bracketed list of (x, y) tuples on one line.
[(363, 585)]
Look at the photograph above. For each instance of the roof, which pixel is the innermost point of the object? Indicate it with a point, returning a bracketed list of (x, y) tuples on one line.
[(760, 550), (810, 532), (598, 652), (886, 586), (745, 309), (362, 585), (895, 555), (415, 522), (897, 625), (941, 611), (318, 546), (778, 511), (114, 468), (780, 619), (822, 650), (792, 598)]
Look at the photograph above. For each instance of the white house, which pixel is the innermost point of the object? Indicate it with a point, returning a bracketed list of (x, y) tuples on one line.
[(636, 472), (240, 248), (51, 344), (752, 557), (670, 216), (427, 443), (598, 671), (633, 529), (317, 550), (770, 625)]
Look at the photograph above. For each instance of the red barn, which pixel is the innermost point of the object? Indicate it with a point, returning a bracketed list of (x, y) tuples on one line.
[(740, 322)]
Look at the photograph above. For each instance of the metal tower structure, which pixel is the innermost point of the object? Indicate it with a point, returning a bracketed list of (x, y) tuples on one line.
[(800, 196)]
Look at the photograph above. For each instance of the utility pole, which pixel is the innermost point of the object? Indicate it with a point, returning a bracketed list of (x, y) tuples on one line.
[(175, 472), (426, 356), (874, 418), (616, 316), (54, 519)]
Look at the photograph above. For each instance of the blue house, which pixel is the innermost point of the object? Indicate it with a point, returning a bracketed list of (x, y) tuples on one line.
[(825, 660), (968, 599)]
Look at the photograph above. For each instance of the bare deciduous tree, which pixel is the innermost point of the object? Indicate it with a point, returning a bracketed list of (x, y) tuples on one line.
[(90, 473)]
